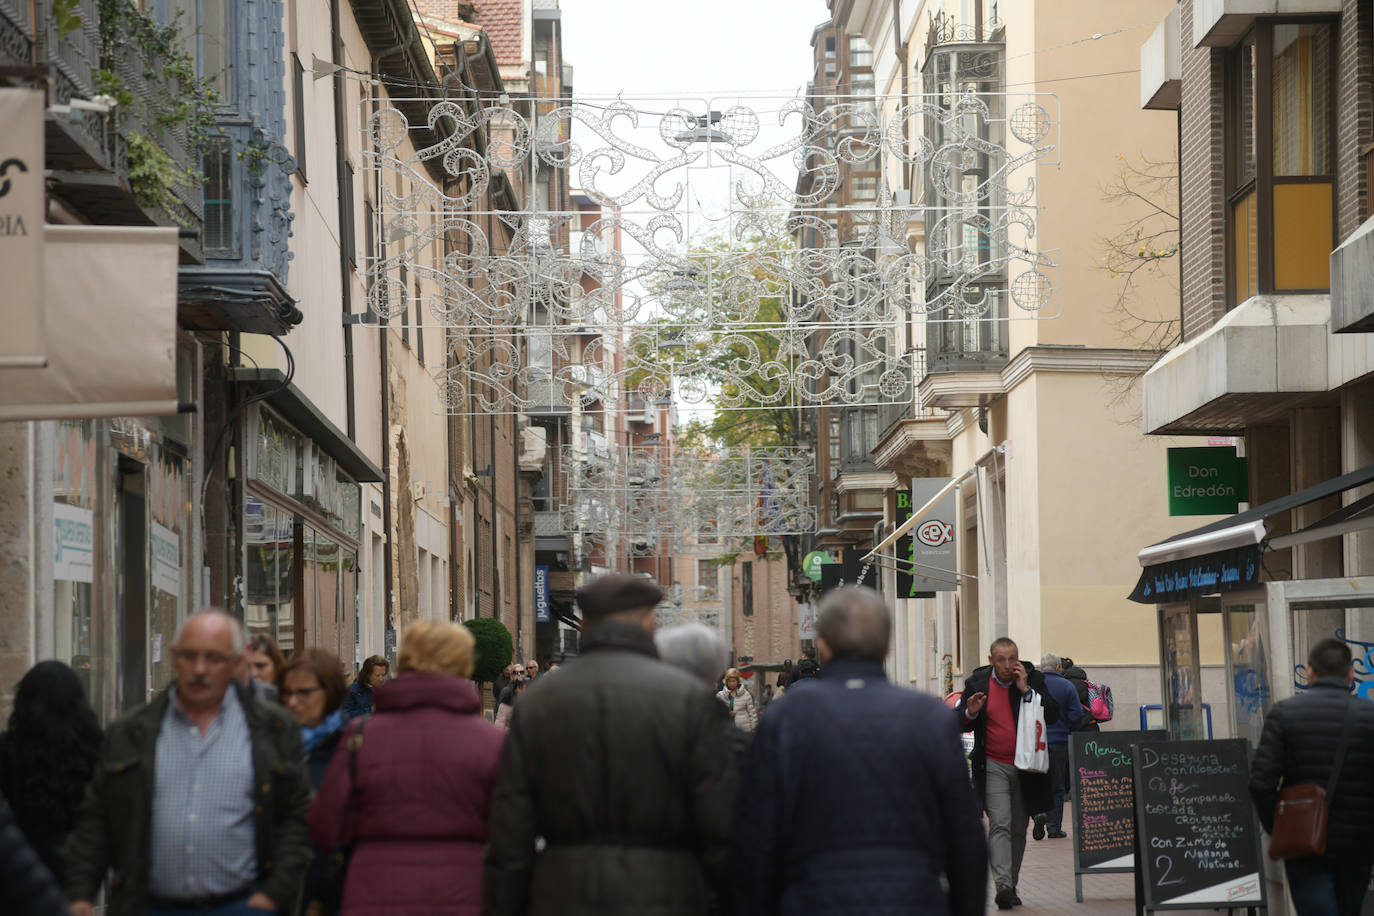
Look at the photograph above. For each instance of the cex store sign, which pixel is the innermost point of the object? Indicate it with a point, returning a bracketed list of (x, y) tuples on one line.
[(22, 200)]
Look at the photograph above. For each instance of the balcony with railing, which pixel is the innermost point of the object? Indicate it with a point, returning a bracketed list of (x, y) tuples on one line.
[(914, 437), (119, 138)]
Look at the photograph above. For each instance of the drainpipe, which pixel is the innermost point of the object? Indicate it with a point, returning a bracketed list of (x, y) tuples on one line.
[(388, 559), (345, 187)]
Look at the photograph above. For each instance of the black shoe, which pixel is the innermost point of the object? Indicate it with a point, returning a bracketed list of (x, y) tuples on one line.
[(1015, 898), (1039, 831), (1056, 834), (1005, 899)]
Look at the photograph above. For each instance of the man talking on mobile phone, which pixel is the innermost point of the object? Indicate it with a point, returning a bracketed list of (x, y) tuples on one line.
[(990, 707)]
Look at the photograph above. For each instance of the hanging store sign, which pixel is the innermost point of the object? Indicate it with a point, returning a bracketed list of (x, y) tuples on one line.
[(1210, 574), (812, 562), (23, 198), (541, 595), (926, 559), (1207, 481)]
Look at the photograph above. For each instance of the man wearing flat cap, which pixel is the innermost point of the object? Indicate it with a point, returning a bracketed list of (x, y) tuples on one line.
[(619, 766)]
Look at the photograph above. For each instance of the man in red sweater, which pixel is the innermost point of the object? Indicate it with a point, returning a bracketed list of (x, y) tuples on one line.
[(990, 707)]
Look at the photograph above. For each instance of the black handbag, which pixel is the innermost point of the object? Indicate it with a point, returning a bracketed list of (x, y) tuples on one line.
[(329, 889)]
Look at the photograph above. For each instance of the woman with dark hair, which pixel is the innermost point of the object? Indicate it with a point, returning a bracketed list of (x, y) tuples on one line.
[(373, 674), (311, 685), (47, 756), (264, 663)]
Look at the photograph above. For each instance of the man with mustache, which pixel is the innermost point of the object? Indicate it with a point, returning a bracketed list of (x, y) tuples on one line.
[(198, 803)]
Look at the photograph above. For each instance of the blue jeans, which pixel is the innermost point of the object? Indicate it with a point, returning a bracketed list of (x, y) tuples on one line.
[(236, 908), (1059, 782), (1327, 887)]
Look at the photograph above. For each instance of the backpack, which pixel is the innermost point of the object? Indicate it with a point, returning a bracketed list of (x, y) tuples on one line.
[(1100, 702)]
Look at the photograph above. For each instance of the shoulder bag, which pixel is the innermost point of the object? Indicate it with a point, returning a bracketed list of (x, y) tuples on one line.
[(1302, 811), (329, 889)]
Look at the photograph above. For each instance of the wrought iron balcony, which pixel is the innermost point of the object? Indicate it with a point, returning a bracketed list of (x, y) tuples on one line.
[(77, 137)]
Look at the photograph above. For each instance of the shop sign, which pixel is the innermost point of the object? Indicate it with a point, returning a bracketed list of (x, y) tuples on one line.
[(23, 198), (541, 595), (806, 620), (930, 547), (812, 562), (73, 531), (1211, 574), (166, 551), (1207, 481)]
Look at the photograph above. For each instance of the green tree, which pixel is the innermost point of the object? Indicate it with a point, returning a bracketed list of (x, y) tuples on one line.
[(494, 650)]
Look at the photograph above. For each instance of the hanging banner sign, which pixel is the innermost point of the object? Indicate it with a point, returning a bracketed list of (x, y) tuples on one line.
[(541, 595), (806, 621), (1211, 574), (23, 197), (73, 530), (926, 558)]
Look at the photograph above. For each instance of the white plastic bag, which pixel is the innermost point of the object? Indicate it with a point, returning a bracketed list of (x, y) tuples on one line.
[(1032, 753)]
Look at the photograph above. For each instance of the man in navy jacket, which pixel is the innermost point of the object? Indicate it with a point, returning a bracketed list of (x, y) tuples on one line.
[(1070, 715), (855, 799)]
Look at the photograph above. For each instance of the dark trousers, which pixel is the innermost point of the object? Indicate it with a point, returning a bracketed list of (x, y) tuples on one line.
[(1059, 784), (1327, 887)]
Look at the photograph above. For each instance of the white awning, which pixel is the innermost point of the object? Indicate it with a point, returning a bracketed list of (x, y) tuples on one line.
[(110, 326), (1246, 534)]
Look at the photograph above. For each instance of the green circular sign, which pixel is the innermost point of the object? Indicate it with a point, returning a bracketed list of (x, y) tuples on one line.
[(811, 564)]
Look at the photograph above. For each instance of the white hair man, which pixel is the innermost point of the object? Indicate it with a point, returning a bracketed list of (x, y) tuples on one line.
[(200, 798)]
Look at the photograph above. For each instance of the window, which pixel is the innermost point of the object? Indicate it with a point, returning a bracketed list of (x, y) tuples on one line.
[(218, 231), (864, 187), (1279, 165), (401, 308), (419, 327), (834, 445), (746, 577), (708, 580), (298, 111), (860, 54), (347, 238), (216, 29)]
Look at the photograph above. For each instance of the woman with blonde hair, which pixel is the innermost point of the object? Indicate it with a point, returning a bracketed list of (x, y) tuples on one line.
[(739, 701), (411, 787)]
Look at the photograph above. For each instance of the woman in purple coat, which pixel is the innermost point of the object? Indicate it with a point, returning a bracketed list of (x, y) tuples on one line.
[(425, 770)]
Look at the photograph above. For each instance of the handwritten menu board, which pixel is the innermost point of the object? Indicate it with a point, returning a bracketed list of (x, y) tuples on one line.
[(1197, 833), (1102, 783)]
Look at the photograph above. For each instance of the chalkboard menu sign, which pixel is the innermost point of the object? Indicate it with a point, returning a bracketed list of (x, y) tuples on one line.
[(1101, 784), (1196, 831)]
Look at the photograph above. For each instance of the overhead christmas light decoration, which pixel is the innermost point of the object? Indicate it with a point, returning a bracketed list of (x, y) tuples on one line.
[(796, 304), (651, 501)]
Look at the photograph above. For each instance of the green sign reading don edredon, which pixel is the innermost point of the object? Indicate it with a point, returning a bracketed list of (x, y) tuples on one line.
[(1207, 481)]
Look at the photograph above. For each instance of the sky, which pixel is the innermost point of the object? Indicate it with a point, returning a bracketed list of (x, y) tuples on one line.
[(707, 46), (699, 55)]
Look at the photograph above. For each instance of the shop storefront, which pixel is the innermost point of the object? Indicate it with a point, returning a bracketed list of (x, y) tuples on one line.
[(1268, 627), (301, 533), (121, 518)]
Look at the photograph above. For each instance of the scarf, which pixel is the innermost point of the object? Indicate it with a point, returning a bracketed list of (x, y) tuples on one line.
[(311, 737)]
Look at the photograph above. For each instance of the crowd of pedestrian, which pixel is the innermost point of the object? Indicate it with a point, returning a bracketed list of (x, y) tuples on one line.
[(643, 779)]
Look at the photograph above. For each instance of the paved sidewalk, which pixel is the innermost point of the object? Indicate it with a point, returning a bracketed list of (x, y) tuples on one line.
[(1046, 886)]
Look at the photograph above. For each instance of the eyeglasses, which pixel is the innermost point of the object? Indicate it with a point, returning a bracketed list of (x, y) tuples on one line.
[(302, 693), (519, 672), (190, 657)]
